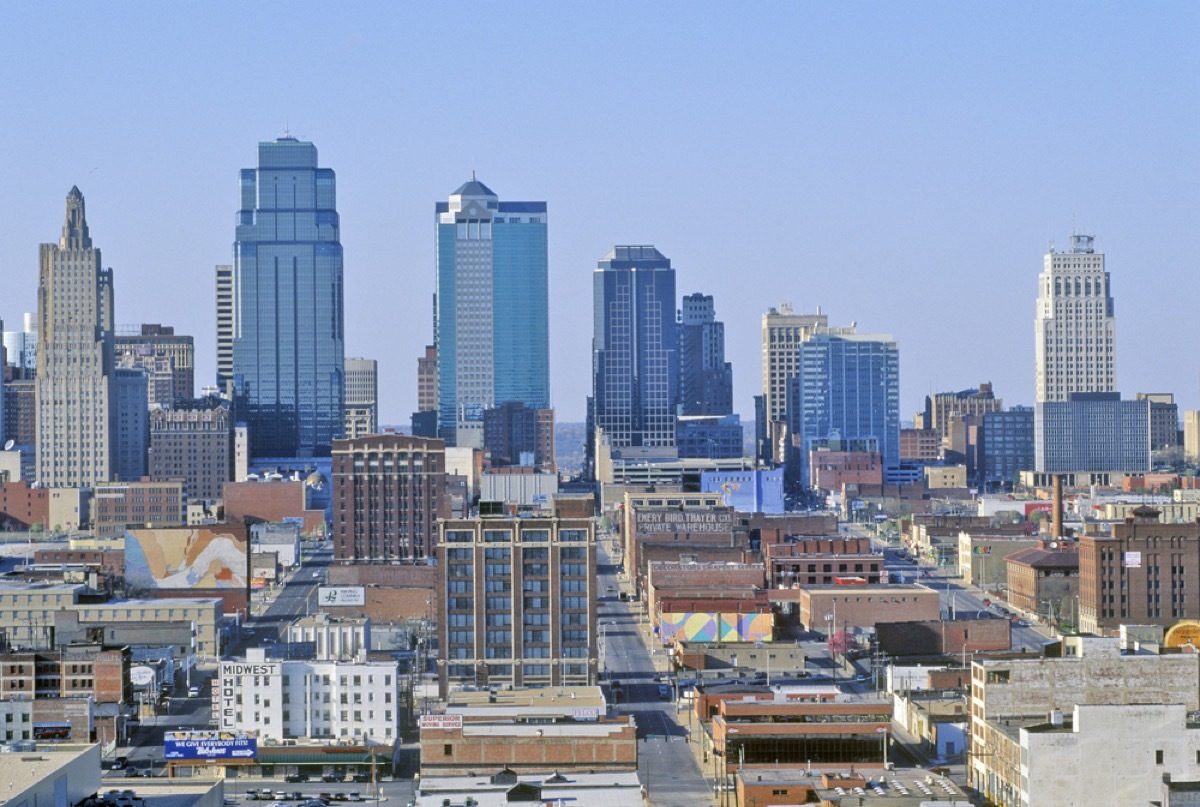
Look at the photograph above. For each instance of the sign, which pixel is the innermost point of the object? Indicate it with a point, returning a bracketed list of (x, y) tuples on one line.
[(660, 522), (341, 595), (983, 550), (441, 721), (1133, 560), (588, 714), (209, 745), (141, 676)]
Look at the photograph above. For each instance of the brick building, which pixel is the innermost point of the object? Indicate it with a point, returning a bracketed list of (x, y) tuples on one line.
[(830, 470), (818, 561), (389, 490), (193, 443), (21, 507), (775, 528), (63, 685), (117, 506), (513, 429), (519, 601), (1145, 573), (944, 637), (1045, 580), (859, 606), (272, 501), (920, 445)]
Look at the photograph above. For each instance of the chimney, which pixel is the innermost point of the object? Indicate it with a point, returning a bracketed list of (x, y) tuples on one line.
[(1056, 527)]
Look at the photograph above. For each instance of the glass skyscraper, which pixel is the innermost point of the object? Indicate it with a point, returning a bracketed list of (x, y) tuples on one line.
[(635, 375), (492, 309), (847, 388), (288, 341)]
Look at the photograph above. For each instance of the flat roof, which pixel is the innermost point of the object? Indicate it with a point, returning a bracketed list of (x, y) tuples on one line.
[(24, 769), (615, 789)]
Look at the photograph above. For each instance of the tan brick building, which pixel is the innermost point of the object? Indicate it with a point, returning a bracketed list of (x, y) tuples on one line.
[(817, 561), (821, 607)]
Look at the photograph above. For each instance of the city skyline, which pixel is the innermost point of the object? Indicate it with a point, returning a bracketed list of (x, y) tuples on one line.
[(944, 174)]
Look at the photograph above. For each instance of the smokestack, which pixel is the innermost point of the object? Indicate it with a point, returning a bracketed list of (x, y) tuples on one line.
[(1056, 526)]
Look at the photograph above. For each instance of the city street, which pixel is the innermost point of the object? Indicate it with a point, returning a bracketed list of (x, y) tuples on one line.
[(667, 762)]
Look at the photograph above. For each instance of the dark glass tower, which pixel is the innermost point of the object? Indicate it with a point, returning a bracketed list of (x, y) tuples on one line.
[(288, 353), (635, 375)]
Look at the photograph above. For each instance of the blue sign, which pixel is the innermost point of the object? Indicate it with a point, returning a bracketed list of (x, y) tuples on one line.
[(209, 745)]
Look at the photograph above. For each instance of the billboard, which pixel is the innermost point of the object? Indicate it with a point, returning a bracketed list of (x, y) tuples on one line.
[(210, 745), (215, 557), (693, 627), (441, 721), (341, 595)]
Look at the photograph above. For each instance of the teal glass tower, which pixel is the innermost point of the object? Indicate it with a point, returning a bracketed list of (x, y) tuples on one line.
[(492, 309), (288, 342)]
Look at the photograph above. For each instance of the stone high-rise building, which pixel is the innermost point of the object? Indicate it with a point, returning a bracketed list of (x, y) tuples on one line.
[(193, 442), (288, 339), (389, 490), (169, 359), (76, 393), (224, 275), (1075, 325), (362, 398), (782, 334)]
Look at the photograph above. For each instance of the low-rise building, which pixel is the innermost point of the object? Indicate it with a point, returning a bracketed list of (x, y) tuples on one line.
[(820, 561), (827, 608), (505, 786), (57, 775), (118, 506), (982, 556), (1045, 580)]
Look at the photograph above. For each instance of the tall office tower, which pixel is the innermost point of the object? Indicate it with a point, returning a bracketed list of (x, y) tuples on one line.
[(782, 334), (362, 398), (389, 490), (427, 380), (76, 394), (514, 434), (170, 360), (519, 601), (22, 348), (288, 350), (1164, 419), (132, 418), (193, 442), (705, 378), (1076, 327), (1092, 432), (492, 321), (224, 327), (635, 376), (847, 388)]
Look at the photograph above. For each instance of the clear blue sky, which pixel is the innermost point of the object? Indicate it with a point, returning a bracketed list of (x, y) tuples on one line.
[(902, 165)]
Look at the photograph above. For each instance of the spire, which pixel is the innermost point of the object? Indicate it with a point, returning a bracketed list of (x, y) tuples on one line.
[(75, 230)]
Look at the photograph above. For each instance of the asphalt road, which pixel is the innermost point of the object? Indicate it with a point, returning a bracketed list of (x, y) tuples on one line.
[(667, 765)]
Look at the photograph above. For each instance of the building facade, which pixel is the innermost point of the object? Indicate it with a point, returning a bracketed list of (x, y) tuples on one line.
[(1164, 419), (518, 601), (940, 407), (847, 387), (1006, 446), (1075, 329), (389, 490), (514, 434), (782, 334), (362, 398), (288, 341), (76, 393), (193, 443), (224, 285), (21, 348), (635, 373), (132, 422), (1094, 431), (492, 316), (705, 378), (170, 359), (117, 506)]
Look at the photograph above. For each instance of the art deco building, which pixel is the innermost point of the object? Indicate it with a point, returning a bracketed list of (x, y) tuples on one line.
[(76, 393), (193, 442), (1075, 326)]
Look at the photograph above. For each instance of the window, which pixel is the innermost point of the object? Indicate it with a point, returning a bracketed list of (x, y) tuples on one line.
[(1158, 757), (447, 749)]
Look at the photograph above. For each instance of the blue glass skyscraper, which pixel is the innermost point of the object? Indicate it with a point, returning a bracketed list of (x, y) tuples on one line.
[(492, 309), (288, 351), (847, 389), (635, 373)]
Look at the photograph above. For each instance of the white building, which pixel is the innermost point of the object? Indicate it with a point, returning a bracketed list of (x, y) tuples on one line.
[(282, 539), (1107, 755), (331, 700), (1075, 324), (333, 638)]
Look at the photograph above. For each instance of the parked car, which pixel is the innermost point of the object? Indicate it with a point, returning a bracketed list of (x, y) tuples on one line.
[(362, 777), (354, 795), (325, 797), (295, 795), (331, 777), (119, 763), (193, 692), (296, 777), (132, 773)]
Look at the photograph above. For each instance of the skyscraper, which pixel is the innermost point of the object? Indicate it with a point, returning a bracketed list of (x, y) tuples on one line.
[(362, 398), (288, 350), (847, 388), (705, 378), (22, 348), (492, 316), (76, 393), (782, 333), (1076, 326), (224, 275), (635, 374)]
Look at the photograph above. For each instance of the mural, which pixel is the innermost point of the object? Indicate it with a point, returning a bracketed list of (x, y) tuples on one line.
[(186, 558), (694, 627)]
